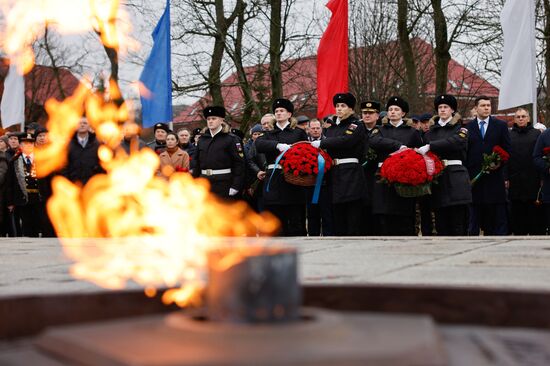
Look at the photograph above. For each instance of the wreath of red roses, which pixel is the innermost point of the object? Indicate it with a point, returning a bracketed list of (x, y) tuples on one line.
[(409, 167), (301, 159)]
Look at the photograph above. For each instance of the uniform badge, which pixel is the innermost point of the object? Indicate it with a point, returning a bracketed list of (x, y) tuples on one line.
[(239, 149), (375, 131), (463, 132), (348, 132), (353, 126)]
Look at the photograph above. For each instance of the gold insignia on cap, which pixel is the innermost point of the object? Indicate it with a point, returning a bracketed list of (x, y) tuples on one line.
[(395, 99), (442, 97), (369, 105)]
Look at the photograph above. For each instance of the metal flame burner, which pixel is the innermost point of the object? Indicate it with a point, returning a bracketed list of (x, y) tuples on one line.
[(319, 338)]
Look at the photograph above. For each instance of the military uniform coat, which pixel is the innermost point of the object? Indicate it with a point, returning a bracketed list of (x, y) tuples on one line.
[(221, 151), (489, 189), (280, 192), (450, 142), (524, 177), (385, 140), (346, 140), (369, 169)]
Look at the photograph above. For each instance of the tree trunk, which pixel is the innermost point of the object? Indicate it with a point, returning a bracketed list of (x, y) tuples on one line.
[(547, 61), (408, 55), (275, 50), (250, 106), (54, 63), (442, 46)]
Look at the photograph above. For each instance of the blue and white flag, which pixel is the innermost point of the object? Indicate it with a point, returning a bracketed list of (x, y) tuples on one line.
[(156, 77)]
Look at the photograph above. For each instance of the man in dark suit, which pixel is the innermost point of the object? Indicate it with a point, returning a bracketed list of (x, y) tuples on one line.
[(489, 192)]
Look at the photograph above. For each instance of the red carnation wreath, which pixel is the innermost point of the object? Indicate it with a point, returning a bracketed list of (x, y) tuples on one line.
[(411, 173), (300, 163)]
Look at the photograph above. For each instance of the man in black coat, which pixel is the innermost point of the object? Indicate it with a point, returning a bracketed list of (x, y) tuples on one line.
[(488, 210), (219, 156), (284, 200), (345, 143), (370, 113), (397, 214), (525, 180), (451, 196), (83, 162)]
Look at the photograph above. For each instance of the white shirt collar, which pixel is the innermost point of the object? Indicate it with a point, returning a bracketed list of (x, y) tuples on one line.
[(443, 123), (398, 123), (283, 126), (214, 133), (486, 121)]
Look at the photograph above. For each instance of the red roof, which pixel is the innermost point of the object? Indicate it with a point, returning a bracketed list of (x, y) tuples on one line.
[(300, 81), (40, 85)]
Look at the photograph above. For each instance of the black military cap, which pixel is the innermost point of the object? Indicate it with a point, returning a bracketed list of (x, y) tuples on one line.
[(398, 101), (416, 117), (445, 99), (370, 106), (39, 130), (237, 132), (27, 137), (197, 130), (425, 117), (161, 126), (283, 103), (302, 119), (347, 98), (214, 111)]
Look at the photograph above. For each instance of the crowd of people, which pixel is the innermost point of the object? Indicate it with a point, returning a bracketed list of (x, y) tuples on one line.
[(511, 198)]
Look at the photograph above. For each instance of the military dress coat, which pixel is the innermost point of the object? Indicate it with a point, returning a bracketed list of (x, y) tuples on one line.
[(386, 139), (370, 167), (280, 192), (343, 141), (450, 142), (221, 151), (524, 177), (489, 189)]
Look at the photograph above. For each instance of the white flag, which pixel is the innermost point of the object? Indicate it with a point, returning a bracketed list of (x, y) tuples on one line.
[(518, 76), (12, 107)]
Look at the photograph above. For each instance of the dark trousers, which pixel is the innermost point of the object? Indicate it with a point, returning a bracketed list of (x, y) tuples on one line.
[(452, 220), (547, 217), (370, 223), (527, 218), (491, 218), (292, 218), (425, 208), (319, 216), (31, 218), (397, 225), (347, 218)]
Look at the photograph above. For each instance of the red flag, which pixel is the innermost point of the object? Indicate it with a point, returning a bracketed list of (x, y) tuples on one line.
[(332, 58)]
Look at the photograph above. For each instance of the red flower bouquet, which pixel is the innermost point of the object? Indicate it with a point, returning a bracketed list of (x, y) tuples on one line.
[(492, 162), (180, 169), (411, 173), (300, 164)]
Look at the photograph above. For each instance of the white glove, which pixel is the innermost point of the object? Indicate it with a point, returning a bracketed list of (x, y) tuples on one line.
[(283, 147), (402, 147), (232, 192), (316, 143), (424, 149)]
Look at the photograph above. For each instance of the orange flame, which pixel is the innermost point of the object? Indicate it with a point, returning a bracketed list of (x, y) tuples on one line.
[(159, 229), (25, 21)]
